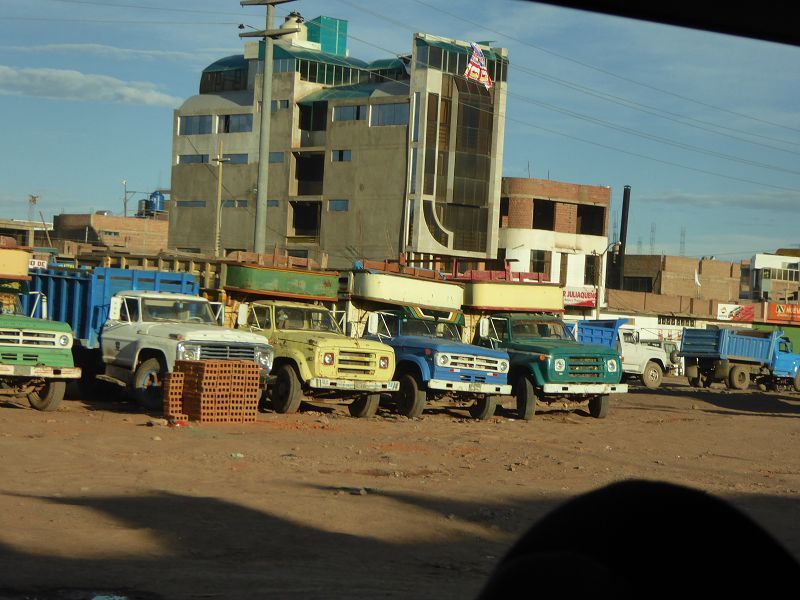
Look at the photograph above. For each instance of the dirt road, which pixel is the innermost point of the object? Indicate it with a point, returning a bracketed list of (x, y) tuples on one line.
[(321, 505)]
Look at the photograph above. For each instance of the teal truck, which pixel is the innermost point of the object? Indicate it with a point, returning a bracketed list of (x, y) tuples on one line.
[(35, 354)]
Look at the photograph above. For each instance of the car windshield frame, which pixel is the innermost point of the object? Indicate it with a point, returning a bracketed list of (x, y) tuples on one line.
[(540, 329), (429, 328), (183, 310), (300, 318)]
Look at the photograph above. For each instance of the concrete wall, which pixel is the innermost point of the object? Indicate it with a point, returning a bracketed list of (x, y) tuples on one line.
[(131, 234)]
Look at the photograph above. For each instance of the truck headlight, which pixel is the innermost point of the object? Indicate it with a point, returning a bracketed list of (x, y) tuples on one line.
[(442, 359), (64, 341), (559, 365), (188, 351), (383, 362), (264, 357), (611, 365), (502, 366), (327, 358)]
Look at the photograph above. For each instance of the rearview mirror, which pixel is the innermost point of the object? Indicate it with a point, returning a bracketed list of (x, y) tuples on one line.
[(372, 324), (483, 328), (241, 315), (115, 309)]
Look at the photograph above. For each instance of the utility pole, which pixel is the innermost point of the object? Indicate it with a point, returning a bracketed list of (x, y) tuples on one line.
[(124, 197), (268, 34), (218, 212)]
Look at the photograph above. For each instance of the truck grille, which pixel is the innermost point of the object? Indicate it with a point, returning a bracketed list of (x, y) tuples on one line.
[(227, 352), (350, 363), (586, 367), (23, 337), (17, 358), (473, 378), (479, 363)]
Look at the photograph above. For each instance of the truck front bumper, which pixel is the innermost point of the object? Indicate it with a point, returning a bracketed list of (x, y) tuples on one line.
[(43, 372), (322, 383), (466, 386), (584, 389)]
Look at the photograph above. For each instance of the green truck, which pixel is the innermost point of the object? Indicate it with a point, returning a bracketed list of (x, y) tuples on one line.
[(35, 354)]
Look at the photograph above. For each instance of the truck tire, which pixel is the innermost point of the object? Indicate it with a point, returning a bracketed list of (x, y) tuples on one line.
[(526, 398), (146, 387), (598, 406), (483, 408), (652, 376), (796, 382), (739, 378), (411, 400), (287, 393), (364, 406), (48, 396)]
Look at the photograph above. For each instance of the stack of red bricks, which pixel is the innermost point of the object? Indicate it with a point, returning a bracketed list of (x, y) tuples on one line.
[(213, 391)]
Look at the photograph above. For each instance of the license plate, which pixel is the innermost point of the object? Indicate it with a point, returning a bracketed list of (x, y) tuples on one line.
[(474, 387)]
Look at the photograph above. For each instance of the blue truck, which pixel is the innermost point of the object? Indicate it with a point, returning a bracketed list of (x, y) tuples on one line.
[(740, 357), (131, 325), (432, 362)]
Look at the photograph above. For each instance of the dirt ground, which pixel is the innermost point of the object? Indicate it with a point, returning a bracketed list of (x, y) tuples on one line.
[(321, 505)]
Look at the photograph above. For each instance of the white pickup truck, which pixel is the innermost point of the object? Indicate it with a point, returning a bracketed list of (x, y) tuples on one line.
[(146, 332), (641, 359)]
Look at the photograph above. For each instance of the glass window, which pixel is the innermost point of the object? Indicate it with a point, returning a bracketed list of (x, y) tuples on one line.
[(195, 125), (540, 262), (260, 317), (340, 155), (273, 204), (275, 157), (235, 159), (192, 159), (279, 105), (350, 113), (338, 205), (591, 270), (235, 123), (191, 203), (234, 204), (130, 309), (389, 114)]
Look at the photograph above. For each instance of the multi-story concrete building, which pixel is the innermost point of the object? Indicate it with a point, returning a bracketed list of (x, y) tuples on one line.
[(367, 160), (557, 229), (773, 277)]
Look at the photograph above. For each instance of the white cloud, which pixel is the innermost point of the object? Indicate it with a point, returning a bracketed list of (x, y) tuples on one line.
[(104, 51), (62, 84), (775, 203)]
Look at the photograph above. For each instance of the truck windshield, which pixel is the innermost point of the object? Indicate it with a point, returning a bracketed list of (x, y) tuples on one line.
[(184, 311), (302, 319), (536, 328), (9, 297), (445, 331)]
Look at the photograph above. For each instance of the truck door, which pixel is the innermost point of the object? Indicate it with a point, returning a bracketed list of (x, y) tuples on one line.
[(785, 361), (119, 337)]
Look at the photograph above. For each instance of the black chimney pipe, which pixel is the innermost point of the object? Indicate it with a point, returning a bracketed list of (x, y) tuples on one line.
[(623, 237)]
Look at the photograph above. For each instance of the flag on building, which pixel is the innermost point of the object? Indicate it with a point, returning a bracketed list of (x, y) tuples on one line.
[(476, 67)]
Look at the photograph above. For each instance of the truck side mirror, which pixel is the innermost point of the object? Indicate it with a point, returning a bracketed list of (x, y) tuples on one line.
[(115, 309), (218, 308), (372, 324), (483, 328), (242, 314)]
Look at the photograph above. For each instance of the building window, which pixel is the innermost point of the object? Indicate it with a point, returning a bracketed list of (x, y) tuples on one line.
[(234, 204), (680, 321), (273, 204), (192, 159), (235, 123), (191, 203), (109, 233), (544, 215), (350, 113), (275, 157), (591, 219), (340, 155), (297, 253), (279, 105), (192, 250), (338, 205), (235, 159), (389, 114), (540, 262), (195, 125), (591, 270)]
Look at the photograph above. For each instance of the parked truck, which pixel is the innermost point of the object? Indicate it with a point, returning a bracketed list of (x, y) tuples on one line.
[(738, 357), (35, 354), (421, 319), (131, 325), (314, 359), (547, 362), (647, 362)]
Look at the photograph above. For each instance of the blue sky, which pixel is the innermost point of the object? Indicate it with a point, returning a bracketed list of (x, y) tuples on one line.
[(704, 127)]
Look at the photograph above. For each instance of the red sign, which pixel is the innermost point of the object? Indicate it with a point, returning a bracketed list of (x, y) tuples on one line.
[(783, 313), (580, 297)]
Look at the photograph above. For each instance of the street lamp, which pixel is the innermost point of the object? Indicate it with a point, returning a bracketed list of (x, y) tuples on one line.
[(615, 246), (219, 159)]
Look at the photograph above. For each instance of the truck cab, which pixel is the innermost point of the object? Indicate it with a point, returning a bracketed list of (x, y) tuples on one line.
[(433, 362), (314, 359), (548, 363)]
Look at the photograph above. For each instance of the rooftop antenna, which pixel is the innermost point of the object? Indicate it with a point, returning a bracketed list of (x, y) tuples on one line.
[(683, 240), (32, 198), (652, 238)]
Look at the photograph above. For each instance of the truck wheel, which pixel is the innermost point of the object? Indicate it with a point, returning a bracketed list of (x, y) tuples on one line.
[(410, 399), (287, 393), (147, 384), (796, 382), (48, 396), (651, 378), (739, 378), (364, 406), (598, 406), (483, 408), (526, 398)]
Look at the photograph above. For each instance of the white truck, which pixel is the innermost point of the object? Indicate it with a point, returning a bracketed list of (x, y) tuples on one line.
[(132, 325)]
